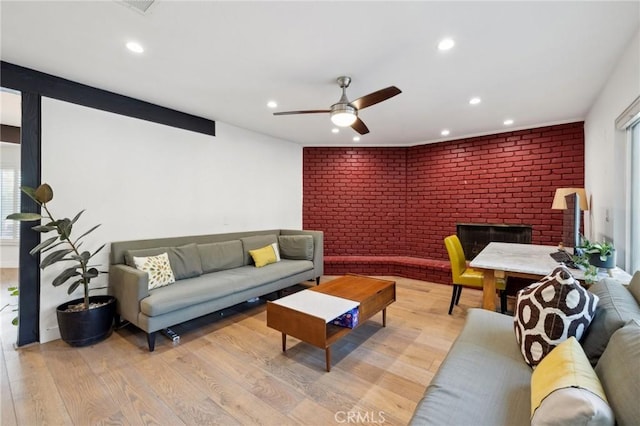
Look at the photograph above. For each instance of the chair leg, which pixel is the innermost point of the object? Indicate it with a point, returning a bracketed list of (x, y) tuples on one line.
[(458, 296), (454, 295), (503, 301)]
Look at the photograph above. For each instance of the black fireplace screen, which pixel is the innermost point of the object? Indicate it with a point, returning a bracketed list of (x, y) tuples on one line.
[(475, 236)]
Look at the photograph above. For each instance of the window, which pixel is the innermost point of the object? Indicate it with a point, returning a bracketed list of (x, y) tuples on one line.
[(634, 249), (10, 196)]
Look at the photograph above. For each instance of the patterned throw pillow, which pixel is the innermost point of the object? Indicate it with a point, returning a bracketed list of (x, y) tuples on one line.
[(549, 312), (158, 268)]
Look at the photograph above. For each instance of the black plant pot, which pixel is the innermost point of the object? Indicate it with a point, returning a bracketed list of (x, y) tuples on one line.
[(594, 259), (83, 328)]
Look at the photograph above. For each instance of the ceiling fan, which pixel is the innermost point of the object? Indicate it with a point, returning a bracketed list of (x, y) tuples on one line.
[(345, 113)]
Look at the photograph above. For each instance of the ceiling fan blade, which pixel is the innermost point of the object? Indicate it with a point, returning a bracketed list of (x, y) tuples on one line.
[(311, 111), (360, 127), (376, 97)]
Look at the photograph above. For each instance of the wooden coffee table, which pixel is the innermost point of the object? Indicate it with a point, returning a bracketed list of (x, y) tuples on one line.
[(306, 315)]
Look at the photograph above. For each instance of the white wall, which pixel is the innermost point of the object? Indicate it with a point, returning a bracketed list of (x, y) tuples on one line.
[(9, 251), (606, 155), (146, 180)]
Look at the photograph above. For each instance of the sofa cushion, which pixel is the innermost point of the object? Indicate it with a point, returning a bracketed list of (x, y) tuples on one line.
[(296, 246), (551, 311), (219, 284), (255, 242), (220, 256), (264, 256), (184, 260), (566, 390), (634, 286), (615, 308), (482, 380), (158, 268), (619, 372)]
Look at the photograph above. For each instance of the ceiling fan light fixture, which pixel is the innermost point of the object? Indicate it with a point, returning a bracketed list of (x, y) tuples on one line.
[(343, 115)]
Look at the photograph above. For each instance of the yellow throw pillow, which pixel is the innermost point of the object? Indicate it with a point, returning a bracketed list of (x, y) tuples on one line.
[(263, 256), (565, 389)]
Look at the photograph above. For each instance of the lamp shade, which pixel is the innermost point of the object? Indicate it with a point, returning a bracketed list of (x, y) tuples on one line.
[(559, 202)]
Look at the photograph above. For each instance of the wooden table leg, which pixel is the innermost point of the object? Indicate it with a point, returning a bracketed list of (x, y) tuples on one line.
[(284, 342), (489, 290), (327, 355), (384, 317)]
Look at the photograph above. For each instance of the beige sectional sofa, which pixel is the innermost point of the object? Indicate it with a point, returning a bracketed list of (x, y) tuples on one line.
[(212, 272), (484, 379)]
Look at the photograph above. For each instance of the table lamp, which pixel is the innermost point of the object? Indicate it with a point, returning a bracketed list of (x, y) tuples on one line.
[(572, 218)]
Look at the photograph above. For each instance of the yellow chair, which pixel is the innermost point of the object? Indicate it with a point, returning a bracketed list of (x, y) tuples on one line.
[(466, 276)]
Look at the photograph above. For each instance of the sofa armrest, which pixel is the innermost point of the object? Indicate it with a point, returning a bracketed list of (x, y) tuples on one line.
[(128, 285), (318, 247)]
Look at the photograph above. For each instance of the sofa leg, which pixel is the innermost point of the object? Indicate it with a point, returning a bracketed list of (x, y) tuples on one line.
[(151, 340), (317, 280)]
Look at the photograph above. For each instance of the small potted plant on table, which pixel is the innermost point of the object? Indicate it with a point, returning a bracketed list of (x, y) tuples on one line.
[(82, 321), (594, 255)]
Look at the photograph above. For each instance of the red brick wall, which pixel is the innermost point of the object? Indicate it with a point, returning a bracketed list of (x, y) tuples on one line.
[(357, 197), (404, 201)]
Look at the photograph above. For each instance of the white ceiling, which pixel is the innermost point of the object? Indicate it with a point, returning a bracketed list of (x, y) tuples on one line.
[(535, 62)]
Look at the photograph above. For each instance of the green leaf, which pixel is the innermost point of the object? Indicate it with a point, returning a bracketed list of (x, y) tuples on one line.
[(54, 257), (75, 219), (64, 228), (90, 274), (43, 228), (24, 217), (30, 192), (73, 286), (53, 246), (87, 233), (46, 243), (44, 193), (65, 275), (96, 252), (82, 258)]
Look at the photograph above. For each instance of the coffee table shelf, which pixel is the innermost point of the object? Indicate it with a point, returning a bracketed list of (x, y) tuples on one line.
[(306, 315)]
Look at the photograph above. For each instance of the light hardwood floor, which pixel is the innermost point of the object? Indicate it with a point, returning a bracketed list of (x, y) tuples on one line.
[(229, 369)]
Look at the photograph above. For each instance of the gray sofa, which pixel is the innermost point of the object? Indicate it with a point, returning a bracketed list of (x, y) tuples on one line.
[(484, 379), (212, 272)]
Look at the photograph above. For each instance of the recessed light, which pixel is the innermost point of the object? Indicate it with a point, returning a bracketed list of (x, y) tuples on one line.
[(135, 47), (335, 130), (475, 101), (508, 122), (445, 132), (356, 138), (446, 44), (272, 104)]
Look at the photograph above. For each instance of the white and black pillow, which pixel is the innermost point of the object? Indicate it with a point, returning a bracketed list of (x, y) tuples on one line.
[(549, 312)]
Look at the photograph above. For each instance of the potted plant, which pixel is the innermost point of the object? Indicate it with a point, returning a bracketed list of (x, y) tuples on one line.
[(600, 255), (13, 292), (82, 321)]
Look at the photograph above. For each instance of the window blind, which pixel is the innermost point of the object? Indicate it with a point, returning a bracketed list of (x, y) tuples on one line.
[(9, 202)]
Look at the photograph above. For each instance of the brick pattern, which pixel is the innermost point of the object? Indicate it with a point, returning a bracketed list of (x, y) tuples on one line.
[(404, 201), (357, 197)]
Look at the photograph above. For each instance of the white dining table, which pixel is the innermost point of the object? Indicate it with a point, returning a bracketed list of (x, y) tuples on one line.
[(502, 260)]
